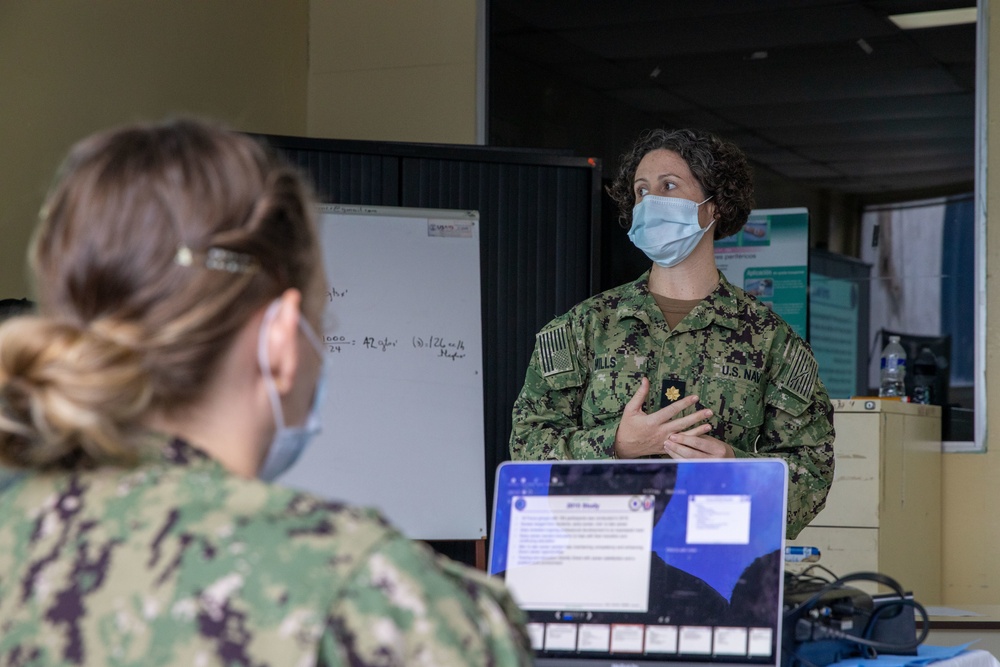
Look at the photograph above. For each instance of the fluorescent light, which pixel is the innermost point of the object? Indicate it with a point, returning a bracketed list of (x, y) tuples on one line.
[(936, 19)]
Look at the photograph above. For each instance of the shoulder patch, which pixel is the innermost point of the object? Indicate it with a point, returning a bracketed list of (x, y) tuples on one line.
[(554, 354), (799, 371)]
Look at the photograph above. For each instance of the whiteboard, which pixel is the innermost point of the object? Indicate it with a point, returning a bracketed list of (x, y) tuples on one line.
[(403, 409)]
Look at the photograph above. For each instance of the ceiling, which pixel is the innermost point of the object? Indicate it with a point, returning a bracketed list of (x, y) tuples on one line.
[(829, 95)]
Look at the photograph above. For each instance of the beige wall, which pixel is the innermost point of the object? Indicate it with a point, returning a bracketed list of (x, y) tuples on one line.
[(971, 482), (394, 71), (377, 69), (68, 68)]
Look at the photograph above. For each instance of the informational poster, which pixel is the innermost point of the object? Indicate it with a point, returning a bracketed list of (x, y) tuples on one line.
[(769, 258), (833, 333)]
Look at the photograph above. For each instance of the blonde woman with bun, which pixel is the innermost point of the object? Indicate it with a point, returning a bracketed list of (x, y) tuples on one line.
[(171, 370)]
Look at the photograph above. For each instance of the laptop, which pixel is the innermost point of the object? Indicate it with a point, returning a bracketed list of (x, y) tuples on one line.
[(648, 562)]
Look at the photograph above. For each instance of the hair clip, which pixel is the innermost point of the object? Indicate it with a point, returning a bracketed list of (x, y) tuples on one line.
[(219, 259)]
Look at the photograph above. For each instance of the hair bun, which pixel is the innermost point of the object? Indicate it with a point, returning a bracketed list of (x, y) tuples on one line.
[(68, 394)]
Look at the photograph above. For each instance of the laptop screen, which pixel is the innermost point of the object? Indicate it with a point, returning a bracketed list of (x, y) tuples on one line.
[(659, 562)]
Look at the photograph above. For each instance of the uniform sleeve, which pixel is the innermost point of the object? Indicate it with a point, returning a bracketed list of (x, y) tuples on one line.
[(546, 423), (798, 426), (407, 606)]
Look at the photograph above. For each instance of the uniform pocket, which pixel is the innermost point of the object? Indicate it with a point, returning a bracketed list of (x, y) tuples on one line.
[(733, 400), (738, 407)]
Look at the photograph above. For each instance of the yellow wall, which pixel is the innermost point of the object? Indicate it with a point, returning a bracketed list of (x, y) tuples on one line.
[(68, 68), (971, 482), (376, 69), (394, 71)]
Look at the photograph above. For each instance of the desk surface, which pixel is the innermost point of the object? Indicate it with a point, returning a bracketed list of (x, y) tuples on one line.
[(987, 618), (982, 630), (973, 658)]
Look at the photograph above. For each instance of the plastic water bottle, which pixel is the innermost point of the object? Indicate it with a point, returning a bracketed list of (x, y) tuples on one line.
[(893, 369)]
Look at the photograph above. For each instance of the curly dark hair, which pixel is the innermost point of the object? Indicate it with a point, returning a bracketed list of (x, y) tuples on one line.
[(720, 167)]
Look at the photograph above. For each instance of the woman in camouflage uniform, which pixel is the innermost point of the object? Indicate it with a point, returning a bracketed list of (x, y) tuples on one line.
[(179, 284), (680, 362)]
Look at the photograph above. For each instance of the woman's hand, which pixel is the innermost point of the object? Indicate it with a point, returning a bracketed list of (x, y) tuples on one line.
[(693, 445), (641, 434)]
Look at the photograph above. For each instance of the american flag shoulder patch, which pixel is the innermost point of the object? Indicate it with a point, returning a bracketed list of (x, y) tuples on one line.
[(800, 370), (554, 351)]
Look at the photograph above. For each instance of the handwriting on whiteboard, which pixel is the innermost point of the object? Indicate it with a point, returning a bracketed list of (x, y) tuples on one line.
[(441, 346), (380, 344), (334, 293), (438, 346)]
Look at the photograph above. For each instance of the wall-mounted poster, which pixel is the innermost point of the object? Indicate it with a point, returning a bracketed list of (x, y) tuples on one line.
[(833, 334), (769, 258)]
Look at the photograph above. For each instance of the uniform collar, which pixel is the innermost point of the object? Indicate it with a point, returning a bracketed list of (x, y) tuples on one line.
[(721, 307), (174, 451)]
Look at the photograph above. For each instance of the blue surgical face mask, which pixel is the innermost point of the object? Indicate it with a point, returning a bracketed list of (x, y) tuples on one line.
[(666, 228), (289, 441)]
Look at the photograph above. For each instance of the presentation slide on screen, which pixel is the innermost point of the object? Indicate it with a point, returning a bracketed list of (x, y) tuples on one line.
[(718, 519), (580, 552)]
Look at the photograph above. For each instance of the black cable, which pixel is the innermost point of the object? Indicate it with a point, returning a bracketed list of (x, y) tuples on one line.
[(838, 583), (819, 631), (808, 574), (897, 606), (833, 633)]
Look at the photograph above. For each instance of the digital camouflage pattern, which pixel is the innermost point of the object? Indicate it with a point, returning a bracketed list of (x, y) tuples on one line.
[(177, 562), (743, 361)]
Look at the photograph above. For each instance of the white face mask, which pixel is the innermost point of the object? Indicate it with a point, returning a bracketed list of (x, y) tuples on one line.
[(666, 228), (289, 441)]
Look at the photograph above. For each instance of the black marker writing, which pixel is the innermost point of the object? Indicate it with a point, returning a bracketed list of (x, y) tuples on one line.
[(381, 344), (448, 349), (336, 344), (334, 293)]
